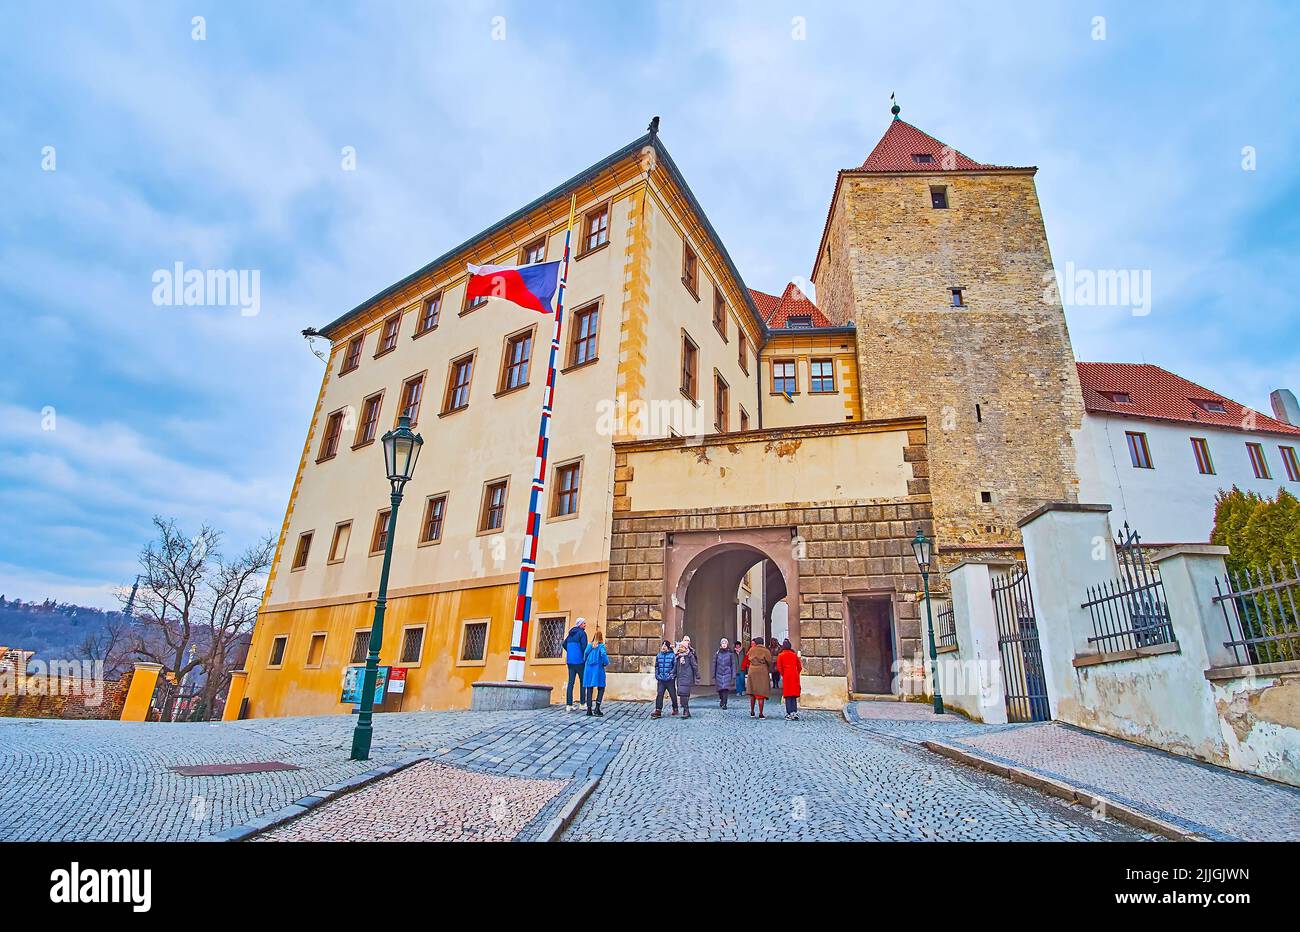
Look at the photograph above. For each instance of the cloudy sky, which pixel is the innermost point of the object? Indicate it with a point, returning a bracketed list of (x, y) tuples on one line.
[(226, 153)]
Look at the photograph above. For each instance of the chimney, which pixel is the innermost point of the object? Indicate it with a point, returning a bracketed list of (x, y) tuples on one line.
[(1284, 406)]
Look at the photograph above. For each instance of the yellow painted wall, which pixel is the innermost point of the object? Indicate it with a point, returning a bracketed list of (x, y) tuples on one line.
[(806, 407)]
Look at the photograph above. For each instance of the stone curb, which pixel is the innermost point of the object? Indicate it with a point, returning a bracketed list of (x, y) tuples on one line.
[(1066, 791), (564, 818), (302, 806)]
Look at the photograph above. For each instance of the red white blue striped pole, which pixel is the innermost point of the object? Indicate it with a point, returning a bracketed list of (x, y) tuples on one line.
[(533, 529)]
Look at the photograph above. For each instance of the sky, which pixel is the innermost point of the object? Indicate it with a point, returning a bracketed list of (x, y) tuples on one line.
[(333, 148)]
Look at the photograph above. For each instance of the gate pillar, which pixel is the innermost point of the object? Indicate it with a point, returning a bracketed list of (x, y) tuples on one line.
[(977, 641), (140, 693)]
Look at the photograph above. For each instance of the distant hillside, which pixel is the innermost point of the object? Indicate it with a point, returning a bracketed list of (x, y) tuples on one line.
[(54, 630)]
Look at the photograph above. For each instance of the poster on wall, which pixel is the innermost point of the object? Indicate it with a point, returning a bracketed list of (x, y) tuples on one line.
[(352, 677), (397, 680)]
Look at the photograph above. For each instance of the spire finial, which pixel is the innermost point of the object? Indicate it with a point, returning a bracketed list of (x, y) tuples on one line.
[(895, 109), (654, 127)]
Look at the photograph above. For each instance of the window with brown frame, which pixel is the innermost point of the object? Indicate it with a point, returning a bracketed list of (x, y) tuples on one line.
[(721, 402), (459, 375), (435, 511), (742, 350), (368, 429), (430, 311), (388, 334), (1201, 451), (304, 547), (534, 252), (315, 650), (720, 312), (473, 303), (690, 368), (784, 381), (360, 647), (379, 537), (1290, 463), (582, 342), (474, 642), (821, 376), (564, 500), (550, 637), (515, 361), (352, 355), (412, 644), (690, 270), (412, 393), (1138, 450), (744, 419), (1257, 462), (492, 514), (595, 229), (339, 545), (329, 444)]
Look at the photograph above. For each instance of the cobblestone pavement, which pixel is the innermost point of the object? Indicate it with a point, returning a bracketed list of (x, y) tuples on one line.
[(427, 801), (1211, 801), (108, 781), (724, 776)]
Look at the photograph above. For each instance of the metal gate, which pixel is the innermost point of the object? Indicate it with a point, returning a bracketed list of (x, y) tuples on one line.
[(1023, 679)]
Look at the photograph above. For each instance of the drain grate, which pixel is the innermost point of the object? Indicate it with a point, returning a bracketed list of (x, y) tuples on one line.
[(226, 770)]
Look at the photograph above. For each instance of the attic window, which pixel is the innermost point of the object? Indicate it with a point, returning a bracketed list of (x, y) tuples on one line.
[(798, 322), (1210, 405), (922, 158), (1119, 398)]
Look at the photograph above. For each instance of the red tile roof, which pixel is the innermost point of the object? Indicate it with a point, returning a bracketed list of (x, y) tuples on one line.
[(902, 141), (792, 303), (1157, 393)]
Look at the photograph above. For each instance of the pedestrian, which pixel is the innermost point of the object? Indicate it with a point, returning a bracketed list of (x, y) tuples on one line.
[(724, 671), (665, 678), (758, 660), (791, 665), (688, 674), (575, 654), (775, 650), (593, 672), (740, 668)]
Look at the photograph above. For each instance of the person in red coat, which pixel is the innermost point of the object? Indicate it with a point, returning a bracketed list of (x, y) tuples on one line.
[(790, 665)]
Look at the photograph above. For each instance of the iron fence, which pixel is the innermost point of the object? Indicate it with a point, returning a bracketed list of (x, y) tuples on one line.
[(1024, 678), (1129, 611), (946, 631), (1259, 609)]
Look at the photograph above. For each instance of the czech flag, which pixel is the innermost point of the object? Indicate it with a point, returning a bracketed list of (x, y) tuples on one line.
[(530, 286)]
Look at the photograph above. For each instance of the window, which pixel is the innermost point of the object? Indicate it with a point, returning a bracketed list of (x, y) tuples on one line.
[(798, 322), (435, 511), (550, 637), (595, 229), (720, 313), (412, 392), (430, 310), (369, 427), (315, 650), (515, 361), (379, 537), (277, 650), (304, 547), (958, 299), (582, 342), (564, 500), (979, 412), (783, 377), (690, 270), (744, 419), (1119, 398), (473, 642), (1201, 450), (458, 379), (821, 376), (360, 646), (1290, 463), (742, 351), (339, 545), (352, 355), (1138, 451), (690, 368), (922, 158), (492, 515), (534, 252), (412, 644), (721, 402), (939, 197), (1257, 461), (329, 444), (388, 335), (1212, 405), (472, 303), (986, 498)]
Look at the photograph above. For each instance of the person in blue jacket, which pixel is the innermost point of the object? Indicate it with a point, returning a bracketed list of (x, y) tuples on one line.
[(575, 654), (593, 672)]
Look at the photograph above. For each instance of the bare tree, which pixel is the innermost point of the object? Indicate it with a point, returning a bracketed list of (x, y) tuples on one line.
[(234, 592), (111, 643)]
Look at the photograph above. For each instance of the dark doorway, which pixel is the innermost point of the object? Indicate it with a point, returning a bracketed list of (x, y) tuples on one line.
[(873, 645)]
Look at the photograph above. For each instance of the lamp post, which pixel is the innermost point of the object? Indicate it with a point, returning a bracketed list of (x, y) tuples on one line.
[(401, 450), (923, 550)]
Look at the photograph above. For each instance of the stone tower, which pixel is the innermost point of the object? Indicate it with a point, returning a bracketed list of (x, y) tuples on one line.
[(942, 264)]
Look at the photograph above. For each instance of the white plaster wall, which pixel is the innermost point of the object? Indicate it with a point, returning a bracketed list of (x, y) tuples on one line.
[(1172, 502)]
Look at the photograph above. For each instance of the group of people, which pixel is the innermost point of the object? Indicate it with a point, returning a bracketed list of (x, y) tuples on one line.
[(754, 672)]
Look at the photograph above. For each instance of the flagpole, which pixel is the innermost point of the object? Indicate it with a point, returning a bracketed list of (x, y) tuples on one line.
[(533, 529)]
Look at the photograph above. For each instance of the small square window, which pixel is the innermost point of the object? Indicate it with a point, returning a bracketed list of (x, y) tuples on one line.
[(360, 647), (534, 252), (339, 545), (474, 642), (986, 498), (316, 650), (821, 376), (922, 158), (304, 547), (939, 197), (550, 637), (958, 297), (784, 381), (412, 644), (277, 650), (595, 228)]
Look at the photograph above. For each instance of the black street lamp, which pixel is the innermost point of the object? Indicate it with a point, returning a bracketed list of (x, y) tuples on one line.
[(401, 450), (923, 550)]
